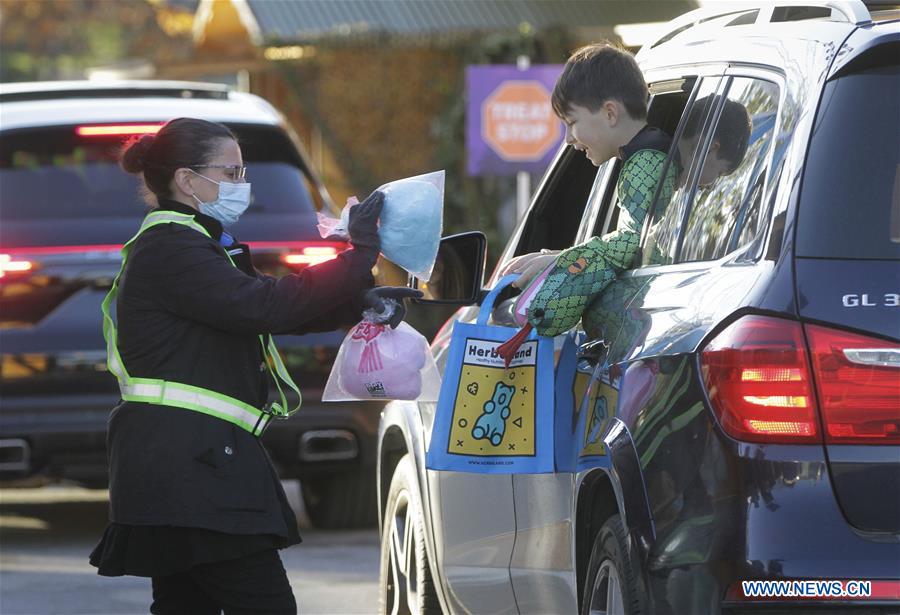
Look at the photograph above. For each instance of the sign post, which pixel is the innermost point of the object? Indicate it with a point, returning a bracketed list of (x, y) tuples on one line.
[(523, 178)]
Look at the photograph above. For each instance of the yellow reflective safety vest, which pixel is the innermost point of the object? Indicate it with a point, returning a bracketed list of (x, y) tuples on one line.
[(180, 395)]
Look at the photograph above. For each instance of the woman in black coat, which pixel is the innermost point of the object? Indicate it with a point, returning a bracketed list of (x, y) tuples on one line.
[(194, 500)]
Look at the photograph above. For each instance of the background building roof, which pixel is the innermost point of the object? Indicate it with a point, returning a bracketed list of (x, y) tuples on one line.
[(306, 20), (182, 5)]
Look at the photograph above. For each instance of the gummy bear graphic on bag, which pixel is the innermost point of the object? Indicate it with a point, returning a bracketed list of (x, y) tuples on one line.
[(492, 424)]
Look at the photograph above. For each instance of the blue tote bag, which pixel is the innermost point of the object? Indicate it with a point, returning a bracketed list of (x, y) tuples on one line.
[(492, 420), (570, 388)]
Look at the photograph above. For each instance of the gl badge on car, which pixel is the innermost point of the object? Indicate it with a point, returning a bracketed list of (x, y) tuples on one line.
[(866, 300)]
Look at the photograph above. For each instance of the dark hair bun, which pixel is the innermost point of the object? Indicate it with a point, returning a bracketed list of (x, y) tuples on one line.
[(180, 143), (134, 154)]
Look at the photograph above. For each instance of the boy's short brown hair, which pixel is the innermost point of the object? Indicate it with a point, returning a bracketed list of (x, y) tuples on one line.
[(597, 73), (732, 131)]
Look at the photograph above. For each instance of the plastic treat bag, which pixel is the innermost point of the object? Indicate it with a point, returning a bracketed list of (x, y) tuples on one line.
[(377, 362), (520, 309), (410, 224)]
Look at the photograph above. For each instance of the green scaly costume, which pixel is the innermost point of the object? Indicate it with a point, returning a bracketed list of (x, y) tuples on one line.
[(582, 272)]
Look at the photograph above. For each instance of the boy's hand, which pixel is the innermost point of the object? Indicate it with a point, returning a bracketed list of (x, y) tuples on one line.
[(529, 266)]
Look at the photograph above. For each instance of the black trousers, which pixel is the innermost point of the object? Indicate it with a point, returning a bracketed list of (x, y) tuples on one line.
[(256, 583)]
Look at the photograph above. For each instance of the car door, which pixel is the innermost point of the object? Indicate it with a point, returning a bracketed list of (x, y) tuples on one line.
[(702, 259), (474, 518), (541, 565), (544, 561)]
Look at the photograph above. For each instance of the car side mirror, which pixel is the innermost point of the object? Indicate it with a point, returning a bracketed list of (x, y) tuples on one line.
[(458, 271)]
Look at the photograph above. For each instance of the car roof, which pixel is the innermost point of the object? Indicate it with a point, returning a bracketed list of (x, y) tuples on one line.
[(64, 103), (750, 33)]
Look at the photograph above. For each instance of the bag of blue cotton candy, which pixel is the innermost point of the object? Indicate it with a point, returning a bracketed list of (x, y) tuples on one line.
[(410, 225)]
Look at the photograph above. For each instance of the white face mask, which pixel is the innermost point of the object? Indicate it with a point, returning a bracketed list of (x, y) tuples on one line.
[(234, 199)]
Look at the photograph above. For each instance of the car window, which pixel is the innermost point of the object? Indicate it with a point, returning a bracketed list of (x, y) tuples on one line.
[(277, 187), (725, 214), (850, 198), (661, 241), (274, 168), (53, 173), (554, 219)]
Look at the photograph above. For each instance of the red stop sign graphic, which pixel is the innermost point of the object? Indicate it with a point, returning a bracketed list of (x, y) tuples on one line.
[(518, 122)]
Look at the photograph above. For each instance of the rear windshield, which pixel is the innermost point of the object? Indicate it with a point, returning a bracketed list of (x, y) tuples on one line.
[(52, 173), (850, 199)]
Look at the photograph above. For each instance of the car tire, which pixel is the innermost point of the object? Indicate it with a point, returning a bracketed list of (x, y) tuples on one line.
[(405, 585), (610, 587), (341, 501)]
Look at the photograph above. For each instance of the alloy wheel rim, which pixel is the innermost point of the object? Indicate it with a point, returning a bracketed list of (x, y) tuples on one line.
[(402, 578), (606, 596)]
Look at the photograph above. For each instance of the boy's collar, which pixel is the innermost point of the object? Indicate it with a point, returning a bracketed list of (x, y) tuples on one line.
[(210, 224), (648, 137)]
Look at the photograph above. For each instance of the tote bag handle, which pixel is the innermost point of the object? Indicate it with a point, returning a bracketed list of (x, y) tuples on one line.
[(487, 306)]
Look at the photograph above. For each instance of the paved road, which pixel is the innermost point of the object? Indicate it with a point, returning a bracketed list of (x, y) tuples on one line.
[(46, 535)]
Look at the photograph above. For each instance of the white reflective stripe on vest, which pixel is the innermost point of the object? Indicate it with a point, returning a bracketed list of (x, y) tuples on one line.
[(114, 362), (187, 396), (142, 390)]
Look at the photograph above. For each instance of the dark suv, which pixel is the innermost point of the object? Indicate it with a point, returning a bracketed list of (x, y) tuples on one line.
[(66, 209), (739, 419)]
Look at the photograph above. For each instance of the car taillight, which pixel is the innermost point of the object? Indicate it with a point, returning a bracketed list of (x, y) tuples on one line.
[(117, 130), (272, 256), (858, 385), (310, 255), (12, 268), (758, 377)]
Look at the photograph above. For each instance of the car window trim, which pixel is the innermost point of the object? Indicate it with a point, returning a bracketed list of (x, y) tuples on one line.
[(770, 184), (686, 267), (673, 151), (731, 73), (696, 71), (696, 166), (599, 199)]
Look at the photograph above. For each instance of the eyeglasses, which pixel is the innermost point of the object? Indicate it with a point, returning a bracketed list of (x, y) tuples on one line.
[(233, 171)]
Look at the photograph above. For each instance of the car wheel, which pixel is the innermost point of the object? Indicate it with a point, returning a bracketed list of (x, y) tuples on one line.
[(341, 501), (610, 587), (405, 585)]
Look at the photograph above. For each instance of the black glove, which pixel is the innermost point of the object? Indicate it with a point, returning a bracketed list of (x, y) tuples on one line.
[(374, 299), (363, 226)]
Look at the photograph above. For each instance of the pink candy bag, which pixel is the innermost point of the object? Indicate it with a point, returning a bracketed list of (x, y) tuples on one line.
[(520, 309), (377, 362)]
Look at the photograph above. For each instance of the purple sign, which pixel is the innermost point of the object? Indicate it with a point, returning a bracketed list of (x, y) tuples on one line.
[(510, 125)]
